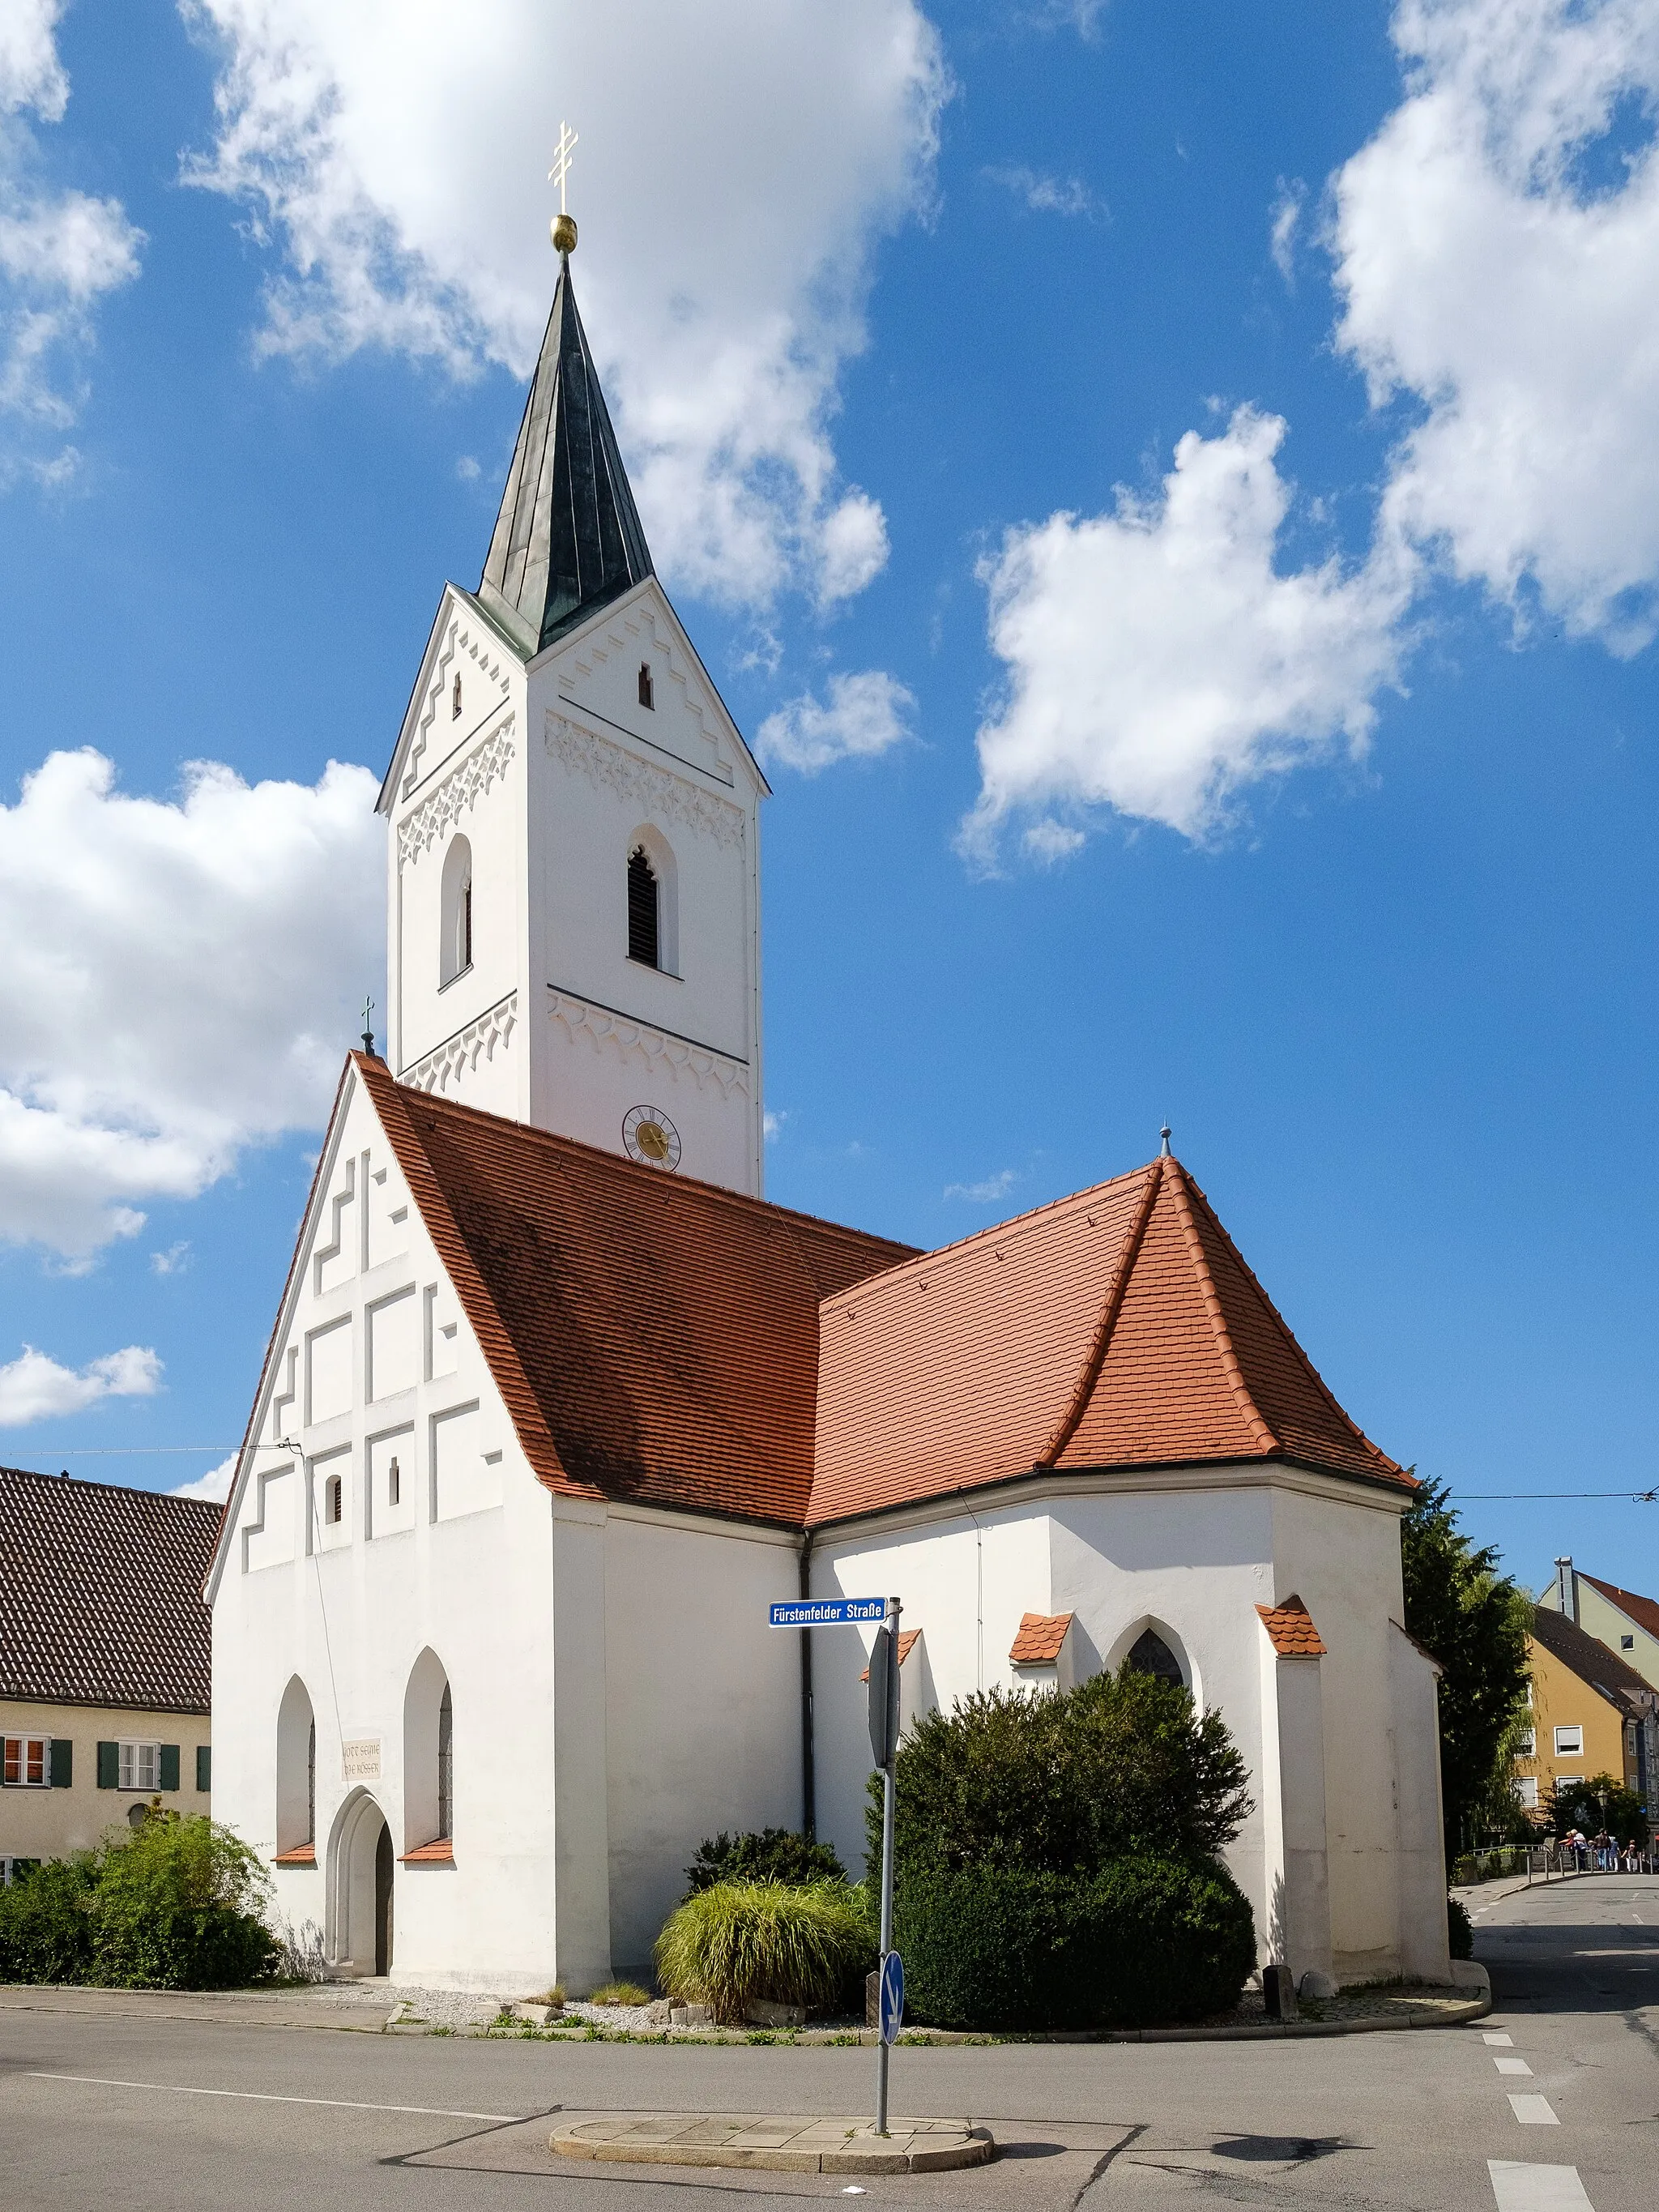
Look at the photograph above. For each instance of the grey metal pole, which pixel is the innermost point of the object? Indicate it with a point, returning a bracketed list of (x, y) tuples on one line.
[(887, 1792)]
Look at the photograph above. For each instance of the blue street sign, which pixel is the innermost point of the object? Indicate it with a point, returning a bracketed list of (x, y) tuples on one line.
[(892, 1997), (826, 1612)]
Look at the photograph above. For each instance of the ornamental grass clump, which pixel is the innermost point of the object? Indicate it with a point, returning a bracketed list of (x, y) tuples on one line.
[(734, 1943)]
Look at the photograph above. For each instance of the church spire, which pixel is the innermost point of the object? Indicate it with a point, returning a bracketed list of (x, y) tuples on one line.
[(567, 537)]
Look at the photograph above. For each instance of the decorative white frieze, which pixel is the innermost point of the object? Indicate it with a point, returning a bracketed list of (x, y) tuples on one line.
[(466, 644), (648, 789), (465, 785), (443, 1068), (660, 1050)]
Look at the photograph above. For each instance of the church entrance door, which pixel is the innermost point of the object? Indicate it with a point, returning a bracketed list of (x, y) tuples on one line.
[(360, 1860)]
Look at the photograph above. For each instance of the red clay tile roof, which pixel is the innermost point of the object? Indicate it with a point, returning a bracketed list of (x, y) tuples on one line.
[(655, 1338), (1292, 1629), (100, 1593), (440, 1852), (1642, 1610), (907, 1640), (302, 1854), (1041, 1635), (1119, 1328)]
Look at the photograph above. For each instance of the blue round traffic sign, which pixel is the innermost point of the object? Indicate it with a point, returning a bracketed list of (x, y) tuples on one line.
[(892, 1997)]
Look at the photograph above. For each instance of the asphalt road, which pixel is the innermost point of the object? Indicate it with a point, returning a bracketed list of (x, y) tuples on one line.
[(136, 2114)]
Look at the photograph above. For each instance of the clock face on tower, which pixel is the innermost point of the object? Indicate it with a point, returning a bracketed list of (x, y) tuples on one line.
[(651, 1137)]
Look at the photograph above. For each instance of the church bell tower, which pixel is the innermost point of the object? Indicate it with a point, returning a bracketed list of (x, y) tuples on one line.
[(573, 817)]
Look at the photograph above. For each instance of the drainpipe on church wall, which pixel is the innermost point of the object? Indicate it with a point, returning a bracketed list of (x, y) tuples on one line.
[(809, 1820)]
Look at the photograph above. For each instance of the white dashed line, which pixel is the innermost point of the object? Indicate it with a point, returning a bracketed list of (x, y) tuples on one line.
[(265, 2097), (1504, 2040), (1536, 2188), (1511, 2065), (1533, 2111)]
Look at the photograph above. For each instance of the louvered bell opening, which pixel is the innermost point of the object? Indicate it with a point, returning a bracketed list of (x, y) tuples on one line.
[(642, 931)]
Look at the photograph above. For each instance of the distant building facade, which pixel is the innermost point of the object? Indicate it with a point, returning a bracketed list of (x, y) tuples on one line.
[(1591, 1713), (105, 1653)]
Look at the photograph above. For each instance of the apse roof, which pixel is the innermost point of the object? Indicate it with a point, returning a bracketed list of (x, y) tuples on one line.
[(568, 537)]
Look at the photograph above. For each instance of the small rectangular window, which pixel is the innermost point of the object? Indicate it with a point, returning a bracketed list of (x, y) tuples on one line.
[(334, 1498), (1569, 1742), (646, 689), (26, 1762), (393, 1484), (1627, 1643), (1526, 1744), (140, 1766), (1527, 1790)]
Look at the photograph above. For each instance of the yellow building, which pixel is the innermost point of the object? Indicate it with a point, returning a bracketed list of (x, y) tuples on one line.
[(1592, 1713), (105, 1659)]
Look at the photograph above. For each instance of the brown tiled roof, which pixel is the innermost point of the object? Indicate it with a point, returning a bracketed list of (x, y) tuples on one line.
[(302, 1854), (440, 1852), (1041, 1635), (1291, 1628), (907, 1640), (1642, 1610), (1118, 1328), (100, 1593), (655, 1338), (1591, 1659)]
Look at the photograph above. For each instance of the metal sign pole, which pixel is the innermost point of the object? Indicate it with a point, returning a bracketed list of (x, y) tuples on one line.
[(891, 1748)]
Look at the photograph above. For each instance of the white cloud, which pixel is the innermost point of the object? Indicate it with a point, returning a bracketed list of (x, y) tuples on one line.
[(1158, 660), (1048, 842), (215, 1483), (1495, 246), (1281, 235), (60, 250), (180, 982), (1047, 195), (865, 714), (985, 1193), (33, 1388), (738, 161), (173, 1261)]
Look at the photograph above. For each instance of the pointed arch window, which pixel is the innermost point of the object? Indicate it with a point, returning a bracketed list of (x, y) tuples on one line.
[(1151, 1655), (446, 1765), (646, 688), (455, 901), (644, 912)]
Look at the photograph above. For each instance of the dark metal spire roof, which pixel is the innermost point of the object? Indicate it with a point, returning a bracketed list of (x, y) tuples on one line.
[(567, 537)]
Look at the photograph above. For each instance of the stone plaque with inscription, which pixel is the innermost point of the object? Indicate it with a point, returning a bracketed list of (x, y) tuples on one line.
[(362, 1758)]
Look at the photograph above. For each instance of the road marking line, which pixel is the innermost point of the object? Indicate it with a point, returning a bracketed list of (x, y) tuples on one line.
[(1533, 2111), (1511, 2065), (1506, 2040), (1520, 2188), (265, 2097)]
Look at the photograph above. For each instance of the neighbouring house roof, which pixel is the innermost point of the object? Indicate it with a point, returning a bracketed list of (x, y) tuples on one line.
[(1290, 1629), (906, 1641), (655, 1338), (1041, 1635), (1588, 1658), (100, 1593), (1119, 1328), (1643, 1611)]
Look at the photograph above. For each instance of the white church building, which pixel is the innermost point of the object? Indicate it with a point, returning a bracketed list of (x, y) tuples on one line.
[(557, 1404)]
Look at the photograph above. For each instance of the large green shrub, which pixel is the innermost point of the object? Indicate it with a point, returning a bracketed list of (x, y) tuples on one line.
[(735, 1941), (999, 1946), (45, 1922), (1121, 1767), (178, 1906), (762, 1854)]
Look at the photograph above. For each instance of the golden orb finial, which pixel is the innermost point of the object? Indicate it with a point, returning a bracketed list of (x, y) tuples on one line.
[(562, 231)]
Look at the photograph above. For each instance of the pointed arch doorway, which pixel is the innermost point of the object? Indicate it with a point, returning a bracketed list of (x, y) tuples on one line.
[(361, 1860)]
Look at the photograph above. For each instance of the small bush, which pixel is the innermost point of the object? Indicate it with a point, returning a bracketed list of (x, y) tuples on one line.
[(620, 1993), (763, 1854), (1144, 1940), (1458, 1929), (735, 1941), (177, 1907), (45, 1922)]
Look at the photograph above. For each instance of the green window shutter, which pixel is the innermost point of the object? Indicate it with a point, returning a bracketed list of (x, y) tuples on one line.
[(62, 1775), (169, 1767), (109, 1766), (204, 1766)]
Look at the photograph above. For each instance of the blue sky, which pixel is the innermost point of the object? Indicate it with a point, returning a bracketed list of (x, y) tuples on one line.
[(1309, 800)]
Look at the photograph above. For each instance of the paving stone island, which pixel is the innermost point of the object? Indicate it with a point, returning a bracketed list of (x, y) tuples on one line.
[(791, 2142)]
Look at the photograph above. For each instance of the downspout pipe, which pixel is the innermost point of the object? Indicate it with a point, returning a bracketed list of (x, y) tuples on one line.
[(809, 1814)]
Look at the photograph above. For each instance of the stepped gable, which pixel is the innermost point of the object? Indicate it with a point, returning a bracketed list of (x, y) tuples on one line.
[(1118, 1328), (100, 1593), (655, 1338)]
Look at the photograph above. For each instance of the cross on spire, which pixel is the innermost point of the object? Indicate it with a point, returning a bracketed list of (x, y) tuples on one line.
[(563, 228), (368, 1034)]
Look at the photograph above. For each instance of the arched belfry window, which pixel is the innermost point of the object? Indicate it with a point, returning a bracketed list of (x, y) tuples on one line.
[(644, 910), (455, 922), (646, 687), (1150, 1655), (446, 1765), (455, 698)]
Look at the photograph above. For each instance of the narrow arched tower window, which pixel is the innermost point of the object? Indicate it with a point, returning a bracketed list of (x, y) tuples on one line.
[(644, 936), (455, 699), (310, 1785), (455, 901), (446, 1765), (646, 698), (1151, 1655)]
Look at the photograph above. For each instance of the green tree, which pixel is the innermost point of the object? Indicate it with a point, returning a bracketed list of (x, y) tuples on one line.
[(1600, 1802), (763, 1854), (1475, 1621)]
